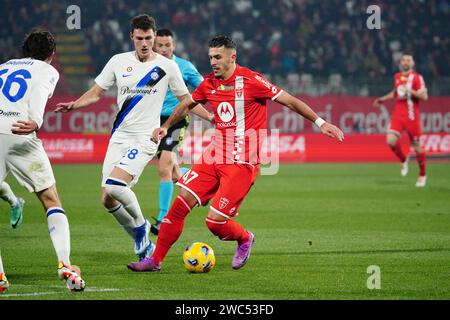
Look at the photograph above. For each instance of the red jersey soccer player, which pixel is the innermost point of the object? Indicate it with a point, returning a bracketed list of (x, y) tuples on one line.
[(409, 89), (238, 97)]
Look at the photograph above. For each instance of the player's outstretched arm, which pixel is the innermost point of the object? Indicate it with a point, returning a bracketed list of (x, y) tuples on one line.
[(304, 110), (200, 111), (177, 115), (378, 101), (89, 97)]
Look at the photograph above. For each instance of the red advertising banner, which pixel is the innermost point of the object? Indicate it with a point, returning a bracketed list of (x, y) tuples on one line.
[(319, 148), (351, 114), (79, 148), (98, 118), (82, 136), (357, 115), (75, 148)]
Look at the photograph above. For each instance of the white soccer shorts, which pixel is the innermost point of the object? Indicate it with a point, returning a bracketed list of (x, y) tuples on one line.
[(131, 154), (26, 159)]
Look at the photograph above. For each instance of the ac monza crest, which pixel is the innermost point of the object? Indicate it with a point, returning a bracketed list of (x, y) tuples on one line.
[(239, 93), (223, 203)]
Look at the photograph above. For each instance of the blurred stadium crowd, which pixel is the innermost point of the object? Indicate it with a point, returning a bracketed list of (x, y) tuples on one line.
[(295, 40)]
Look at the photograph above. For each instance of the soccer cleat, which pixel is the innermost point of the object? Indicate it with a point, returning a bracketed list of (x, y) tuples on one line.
[(155, 227), (421, 181), (4, 284), (71, 275), (404, 167), (16, 213), (141, 240), (147, 264), (147, 253), (243, 253)]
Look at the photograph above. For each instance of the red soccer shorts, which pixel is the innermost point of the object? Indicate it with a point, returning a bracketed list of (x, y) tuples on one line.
[(412, 127), (227, 183)]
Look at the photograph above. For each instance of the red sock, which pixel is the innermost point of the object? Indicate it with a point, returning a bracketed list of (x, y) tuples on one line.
[(421, 158), (228, 230), (398, 151), (171, 227)]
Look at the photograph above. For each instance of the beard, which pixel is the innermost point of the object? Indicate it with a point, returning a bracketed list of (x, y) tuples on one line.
[(405, 68)]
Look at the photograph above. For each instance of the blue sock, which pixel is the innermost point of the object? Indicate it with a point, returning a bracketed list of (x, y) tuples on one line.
[(183, 170), (164, 198)]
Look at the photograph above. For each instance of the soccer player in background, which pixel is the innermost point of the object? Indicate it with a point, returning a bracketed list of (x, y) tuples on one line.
[(26, 86), (142, 78), (409, 89), (238, 98), (169, 171)]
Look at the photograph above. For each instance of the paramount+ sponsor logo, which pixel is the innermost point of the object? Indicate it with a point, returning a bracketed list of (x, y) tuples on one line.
[(127, 90), (12, 114)]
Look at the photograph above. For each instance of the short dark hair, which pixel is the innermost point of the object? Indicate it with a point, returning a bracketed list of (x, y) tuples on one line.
[(143, 22), (164, 33), (38, 44), (407, 53), (224, 41)]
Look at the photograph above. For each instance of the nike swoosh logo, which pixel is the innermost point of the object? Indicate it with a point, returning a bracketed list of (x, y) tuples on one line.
[(124, 164), (126, 75)]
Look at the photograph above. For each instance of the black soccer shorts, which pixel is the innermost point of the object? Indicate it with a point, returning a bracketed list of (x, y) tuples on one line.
[(175, 136)]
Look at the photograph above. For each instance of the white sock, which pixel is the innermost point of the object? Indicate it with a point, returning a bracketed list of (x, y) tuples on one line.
[(58, 228), (7, 194), (128, 199), (124, 219), (1, 265)]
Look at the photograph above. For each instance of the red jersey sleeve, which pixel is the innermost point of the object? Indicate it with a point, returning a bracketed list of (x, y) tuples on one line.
[(263, 89), (199, 94), (419, 84)]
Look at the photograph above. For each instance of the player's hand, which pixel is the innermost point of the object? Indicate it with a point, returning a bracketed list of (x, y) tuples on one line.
[(211, 118), (158, 134), (377, 103), (332, 131), (64, 106), (22, 127)]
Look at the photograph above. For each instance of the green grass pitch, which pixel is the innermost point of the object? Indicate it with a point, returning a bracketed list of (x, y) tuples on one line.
[(318, 228)]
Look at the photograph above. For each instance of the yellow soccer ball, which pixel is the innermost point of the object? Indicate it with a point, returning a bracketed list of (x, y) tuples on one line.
[(198, 257)]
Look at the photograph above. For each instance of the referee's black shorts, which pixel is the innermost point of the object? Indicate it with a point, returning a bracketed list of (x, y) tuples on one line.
[(175, 136)]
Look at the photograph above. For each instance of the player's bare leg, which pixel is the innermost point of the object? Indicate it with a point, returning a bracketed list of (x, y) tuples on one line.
[(392, 140), (167, 161), (122, 203), (421, 159), (178, 171), (58, 228), (171, 229), (229, 230)]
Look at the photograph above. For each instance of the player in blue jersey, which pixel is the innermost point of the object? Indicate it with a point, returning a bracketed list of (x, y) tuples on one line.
[(169, 170)]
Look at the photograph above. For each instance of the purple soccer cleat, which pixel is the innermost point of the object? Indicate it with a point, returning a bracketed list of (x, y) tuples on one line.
[(243, 253), (146, 264)]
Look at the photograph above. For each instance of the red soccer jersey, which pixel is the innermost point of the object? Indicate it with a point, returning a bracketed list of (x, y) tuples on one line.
[(240, 113), (407, 107)]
